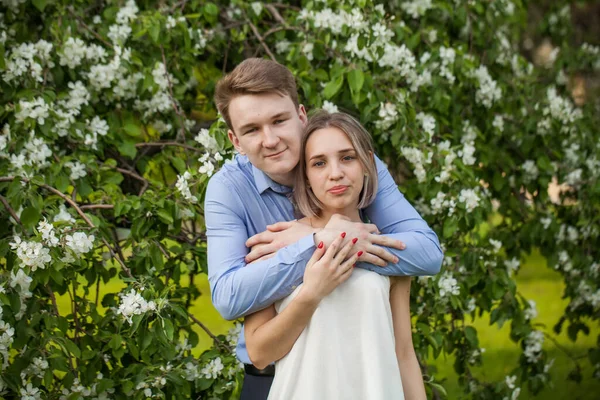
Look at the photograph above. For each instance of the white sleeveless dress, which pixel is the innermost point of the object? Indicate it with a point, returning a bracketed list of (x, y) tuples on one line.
[(347, 350)]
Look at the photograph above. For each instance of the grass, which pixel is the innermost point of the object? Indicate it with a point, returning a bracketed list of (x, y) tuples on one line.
[(539, 283)]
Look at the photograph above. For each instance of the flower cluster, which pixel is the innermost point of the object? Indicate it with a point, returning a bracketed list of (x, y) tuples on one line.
[(133, 303)]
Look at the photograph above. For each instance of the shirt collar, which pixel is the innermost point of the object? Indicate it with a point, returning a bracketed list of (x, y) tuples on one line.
[(263, 182)]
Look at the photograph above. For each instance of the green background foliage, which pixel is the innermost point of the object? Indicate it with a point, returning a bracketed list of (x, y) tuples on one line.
[(107, 117)]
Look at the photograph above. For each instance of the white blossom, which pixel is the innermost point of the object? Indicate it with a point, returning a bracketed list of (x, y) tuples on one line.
[(30, 393), (488, 91), (531, 311), (416, 8), (498, 123), (448, 285), (330, 107), (77, 170), (533, 346), (213, 369), (470, 198), (132, 304), (36, 109), (427, 124), (207, 141), (530, 171), (63, 215), (207, 168), (512, 265), (80, 243), (31, 254), (48, 235), (182, 186)]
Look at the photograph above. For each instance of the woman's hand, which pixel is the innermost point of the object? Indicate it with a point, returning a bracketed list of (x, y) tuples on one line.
[(327, 269)]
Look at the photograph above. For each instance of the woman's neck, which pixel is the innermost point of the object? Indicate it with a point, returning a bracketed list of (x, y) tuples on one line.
[(323, 219)]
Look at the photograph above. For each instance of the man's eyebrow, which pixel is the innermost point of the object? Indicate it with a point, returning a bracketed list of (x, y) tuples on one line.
[(348, 150), (252, 124)]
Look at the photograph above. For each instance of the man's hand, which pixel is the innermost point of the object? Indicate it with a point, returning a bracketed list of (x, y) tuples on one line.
[(265, 244), (368, 236)]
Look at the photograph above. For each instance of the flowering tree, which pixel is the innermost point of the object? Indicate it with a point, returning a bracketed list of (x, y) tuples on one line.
[(109, 137)]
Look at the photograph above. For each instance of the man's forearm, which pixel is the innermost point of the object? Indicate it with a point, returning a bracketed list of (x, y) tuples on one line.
[(243, 289), (422, 255)]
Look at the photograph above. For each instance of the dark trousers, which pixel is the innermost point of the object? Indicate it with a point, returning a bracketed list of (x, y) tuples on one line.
[(256, 387)]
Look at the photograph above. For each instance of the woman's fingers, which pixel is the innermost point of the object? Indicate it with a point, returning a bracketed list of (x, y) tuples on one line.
[(318, 253), (333, 249), (344, 252), (348, 265)]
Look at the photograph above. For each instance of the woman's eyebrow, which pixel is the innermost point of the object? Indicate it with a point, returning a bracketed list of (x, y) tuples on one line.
[(349, 150)]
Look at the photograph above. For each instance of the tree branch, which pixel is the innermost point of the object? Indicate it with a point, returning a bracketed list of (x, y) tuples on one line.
[(73, 204), (163, 144), (260, 39), (136, 176), (12, 212), (82, 23), (209, 333)]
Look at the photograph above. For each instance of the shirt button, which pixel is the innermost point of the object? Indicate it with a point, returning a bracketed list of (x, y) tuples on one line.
[(294, 287)]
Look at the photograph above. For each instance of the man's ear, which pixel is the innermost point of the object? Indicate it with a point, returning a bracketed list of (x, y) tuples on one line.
[(302, 114), (235, 141)]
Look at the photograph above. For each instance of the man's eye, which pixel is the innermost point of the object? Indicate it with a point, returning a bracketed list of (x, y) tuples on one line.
[(279, 121), (250, 130)]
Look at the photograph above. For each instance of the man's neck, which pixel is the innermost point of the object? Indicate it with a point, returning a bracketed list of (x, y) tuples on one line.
[(285, 180)]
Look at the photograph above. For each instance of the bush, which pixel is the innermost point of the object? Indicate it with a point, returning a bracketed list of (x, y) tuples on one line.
[(109, 136)]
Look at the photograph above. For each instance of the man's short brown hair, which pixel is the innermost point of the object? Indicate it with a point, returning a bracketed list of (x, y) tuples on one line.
[(254, 76)]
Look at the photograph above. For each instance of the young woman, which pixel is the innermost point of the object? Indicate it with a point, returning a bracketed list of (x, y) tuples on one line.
[(334, 337)]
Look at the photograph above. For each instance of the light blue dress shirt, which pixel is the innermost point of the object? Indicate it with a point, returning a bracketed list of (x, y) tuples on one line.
[(241, 201)]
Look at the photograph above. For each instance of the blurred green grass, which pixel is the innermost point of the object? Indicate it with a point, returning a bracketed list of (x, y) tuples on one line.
[(536, 282)]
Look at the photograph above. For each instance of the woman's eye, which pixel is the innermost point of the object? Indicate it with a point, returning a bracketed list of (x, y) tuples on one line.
[(348, 158), (318, 164)]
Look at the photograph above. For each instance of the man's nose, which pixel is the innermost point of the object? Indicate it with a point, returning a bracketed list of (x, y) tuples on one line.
[(270, 139)]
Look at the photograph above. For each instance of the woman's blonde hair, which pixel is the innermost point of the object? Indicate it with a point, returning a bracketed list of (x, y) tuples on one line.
[(306, 201)]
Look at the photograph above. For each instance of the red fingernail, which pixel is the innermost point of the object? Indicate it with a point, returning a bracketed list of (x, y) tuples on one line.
[(343, 235), (353, 265), (320, 245), (360, 253), (354, 240)]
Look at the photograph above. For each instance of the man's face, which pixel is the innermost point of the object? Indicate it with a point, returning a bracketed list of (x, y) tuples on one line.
[(267, 128)]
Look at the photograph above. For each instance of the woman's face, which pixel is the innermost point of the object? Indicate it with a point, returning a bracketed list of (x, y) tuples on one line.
[(334, 172)]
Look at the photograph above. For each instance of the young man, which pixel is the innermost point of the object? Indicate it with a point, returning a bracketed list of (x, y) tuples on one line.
[(247, 201)]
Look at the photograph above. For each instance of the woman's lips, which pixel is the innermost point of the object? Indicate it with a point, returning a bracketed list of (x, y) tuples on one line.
[(338, 189)]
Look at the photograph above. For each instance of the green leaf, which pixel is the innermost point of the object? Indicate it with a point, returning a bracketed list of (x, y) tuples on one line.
[(211, 9), (72, 348), (165, 216), (132, 129), (450, 226), (356, 79), (40, 4), (471, 335), (30, 216), (169, 329), (333, 87), (154, 32), (115, 342), (127, 149)]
